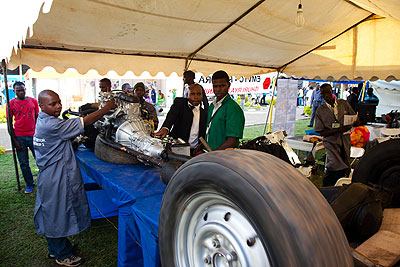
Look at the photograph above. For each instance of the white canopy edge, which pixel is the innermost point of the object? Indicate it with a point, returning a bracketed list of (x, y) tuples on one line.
[(20, 22), (60, 60)]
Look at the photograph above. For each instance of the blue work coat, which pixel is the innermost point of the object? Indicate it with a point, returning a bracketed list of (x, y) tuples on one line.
[(61, 205)]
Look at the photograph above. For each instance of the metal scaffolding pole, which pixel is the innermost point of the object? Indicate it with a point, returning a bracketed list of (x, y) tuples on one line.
[(9, 121)]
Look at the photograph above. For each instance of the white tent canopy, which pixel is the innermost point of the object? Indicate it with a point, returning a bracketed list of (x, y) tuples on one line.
[(388, 94), (243, 37)]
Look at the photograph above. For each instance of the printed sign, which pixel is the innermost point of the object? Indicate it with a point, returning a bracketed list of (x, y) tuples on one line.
[(256, 84)]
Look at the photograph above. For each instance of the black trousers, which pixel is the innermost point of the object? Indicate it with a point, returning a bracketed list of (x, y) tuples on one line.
[(331, 177)]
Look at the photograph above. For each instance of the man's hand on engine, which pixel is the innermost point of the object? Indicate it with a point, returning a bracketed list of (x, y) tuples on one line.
[(110, 104), (161, 133)]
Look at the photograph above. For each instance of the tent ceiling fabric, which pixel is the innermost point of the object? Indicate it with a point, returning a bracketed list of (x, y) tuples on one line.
[(165, 32), (368, 51), (384, 8)]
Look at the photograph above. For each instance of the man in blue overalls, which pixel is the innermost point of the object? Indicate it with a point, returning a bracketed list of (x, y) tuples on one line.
[(61, 206)]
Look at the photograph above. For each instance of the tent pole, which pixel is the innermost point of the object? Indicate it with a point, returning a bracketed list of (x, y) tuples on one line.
[(9, 122), (271, 104)]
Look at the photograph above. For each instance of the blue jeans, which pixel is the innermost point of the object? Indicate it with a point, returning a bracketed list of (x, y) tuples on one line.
[(23, 159), (315, 105), (61, 248)]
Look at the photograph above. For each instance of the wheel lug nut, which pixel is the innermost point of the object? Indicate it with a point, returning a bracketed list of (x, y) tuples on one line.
[(227, 216), (216, 243), (251, 241), (234, 255), (207, 260)]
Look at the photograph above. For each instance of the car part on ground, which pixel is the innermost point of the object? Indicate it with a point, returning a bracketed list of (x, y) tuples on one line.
[(240, 208), (380, 168), (358, 208)]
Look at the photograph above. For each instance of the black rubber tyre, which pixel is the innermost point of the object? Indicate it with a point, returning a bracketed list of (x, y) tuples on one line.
[(109, 154), (381, 166), (292, 221)]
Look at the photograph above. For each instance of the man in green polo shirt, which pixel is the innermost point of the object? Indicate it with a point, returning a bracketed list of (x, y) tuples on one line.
[(225, 119)]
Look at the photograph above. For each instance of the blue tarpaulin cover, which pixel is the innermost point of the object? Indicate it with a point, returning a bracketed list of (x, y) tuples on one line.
[(136, 193)]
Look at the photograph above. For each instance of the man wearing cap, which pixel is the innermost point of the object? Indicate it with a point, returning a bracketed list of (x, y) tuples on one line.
[(147, 108)]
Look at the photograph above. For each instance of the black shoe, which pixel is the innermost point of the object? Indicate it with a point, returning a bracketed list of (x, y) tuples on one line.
[(310, 125)]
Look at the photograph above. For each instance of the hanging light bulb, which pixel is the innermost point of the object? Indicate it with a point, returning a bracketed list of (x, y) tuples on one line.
[(300, 18)]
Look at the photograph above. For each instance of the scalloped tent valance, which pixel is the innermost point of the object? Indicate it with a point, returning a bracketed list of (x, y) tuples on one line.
[(243, 37)]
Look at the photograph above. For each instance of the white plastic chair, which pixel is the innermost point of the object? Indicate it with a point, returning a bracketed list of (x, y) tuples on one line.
[(390, 132), (355, 153)]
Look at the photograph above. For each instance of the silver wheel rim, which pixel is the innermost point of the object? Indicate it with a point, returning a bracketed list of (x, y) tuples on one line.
[(212, 231)]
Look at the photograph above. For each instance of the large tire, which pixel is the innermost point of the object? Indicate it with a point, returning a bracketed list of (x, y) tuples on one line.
[(381, 166), (247, 208), (112, 155)]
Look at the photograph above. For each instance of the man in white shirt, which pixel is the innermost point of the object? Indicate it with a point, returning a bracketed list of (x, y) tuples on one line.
[(186, 119)]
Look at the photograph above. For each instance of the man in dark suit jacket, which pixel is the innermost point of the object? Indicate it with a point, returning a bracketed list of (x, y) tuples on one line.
[(182, 116)]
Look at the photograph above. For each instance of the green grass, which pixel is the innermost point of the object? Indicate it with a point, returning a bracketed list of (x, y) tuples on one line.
[(252, 132), (19, 243)]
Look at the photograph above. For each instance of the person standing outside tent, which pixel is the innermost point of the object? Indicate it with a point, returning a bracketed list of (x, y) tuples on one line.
[(61, 208), (308, 96), (352, 99), (329, 123), (153, 95), (23, 111), (160, 98), (225, 121), (300, 97), (316, 101), (188, 79), (370, 97), (346, 93)]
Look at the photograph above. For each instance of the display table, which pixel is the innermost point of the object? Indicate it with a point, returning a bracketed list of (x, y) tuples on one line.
[(296, 142), (135, 192), (375, 130)]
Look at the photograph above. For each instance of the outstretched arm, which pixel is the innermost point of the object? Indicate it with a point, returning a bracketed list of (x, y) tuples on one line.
[(94, 116)]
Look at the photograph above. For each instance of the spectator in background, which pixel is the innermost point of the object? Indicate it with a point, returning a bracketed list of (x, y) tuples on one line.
[(153, 95), (300, 97), (308, 96), (346, 93), (188, 79), (126, 88), (316, 101), (105, 85), (23, 114), (305, 91), (353, 99), (160, 98), (370, 97)]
